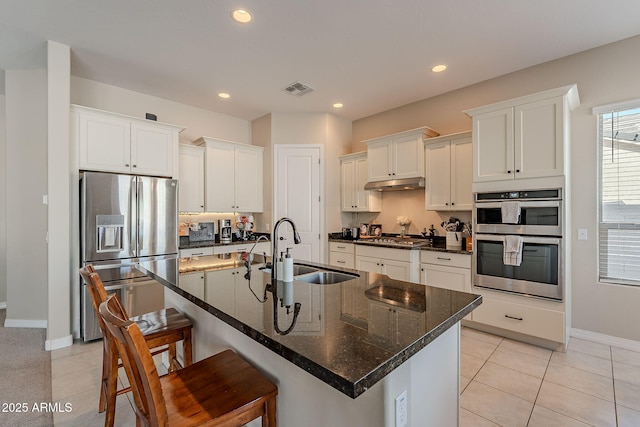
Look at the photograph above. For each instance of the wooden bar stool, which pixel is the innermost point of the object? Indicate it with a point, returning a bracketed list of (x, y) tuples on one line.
[(161, 330), (221, 390)]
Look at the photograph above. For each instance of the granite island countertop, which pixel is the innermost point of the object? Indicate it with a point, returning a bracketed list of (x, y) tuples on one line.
[(336, 333)]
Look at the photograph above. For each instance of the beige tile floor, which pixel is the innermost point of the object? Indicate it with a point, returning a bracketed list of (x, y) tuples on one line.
[(503, 383)]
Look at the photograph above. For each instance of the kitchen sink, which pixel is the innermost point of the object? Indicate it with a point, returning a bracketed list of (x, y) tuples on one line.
[(297, 269), (326, 277)]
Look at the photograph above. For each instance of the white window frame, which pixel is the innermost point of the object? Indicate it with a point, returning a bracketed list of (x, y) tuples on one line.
[(607, 109)]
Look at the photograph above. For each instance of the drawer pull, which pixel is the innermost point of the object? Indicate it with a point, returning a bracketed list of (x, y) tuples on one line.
[(513, 317), (444, 259), (341, 262), (342, 247), (197, 253)]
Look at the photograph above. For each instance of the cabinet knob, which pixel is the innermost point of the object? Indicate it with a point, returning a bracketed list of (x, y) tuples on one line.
[(135, 166), (517, 170), (508, 171), (446, 203), (452, 203), (126, 164)]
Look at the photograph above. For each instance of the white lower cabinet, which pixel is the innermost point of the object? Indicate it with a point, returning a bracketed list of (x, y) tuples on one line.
[(260, 248), (399, 264), (537, 321), (193, 283), (446, 270), (342, 255), (385, 321)]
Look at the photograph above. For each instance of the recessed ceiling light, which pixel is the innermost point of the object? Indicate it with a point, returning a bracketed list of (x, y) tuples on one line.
[(242, 16), (439, 68), (224, 95), (338, 105)]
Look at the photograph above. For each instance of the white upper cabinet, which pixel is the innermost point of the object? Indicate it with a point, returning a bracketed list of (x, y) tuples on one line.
[(113, 142), (397, 156), (354, 174), (448, 171), (191, 178), (523, 138), (233, 176)]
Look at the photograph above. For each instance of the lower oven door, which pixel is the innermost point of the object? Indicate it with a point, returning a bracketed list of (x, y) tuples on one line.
[(539, 274)]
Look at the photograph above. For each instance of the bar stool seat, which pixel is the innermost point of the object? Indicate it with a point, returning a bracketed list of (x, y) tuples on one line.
[(221, 390), (161, 329)]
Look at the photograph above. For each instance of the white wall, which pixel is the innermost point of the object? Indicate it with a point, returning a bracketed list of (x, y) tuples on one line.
[(26, 183), (3, 203), (604, 75), (196, 121)]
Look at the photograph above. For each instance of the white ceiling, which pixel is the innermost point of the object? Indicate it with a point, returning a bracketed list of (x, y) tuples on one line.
[(371, 55)]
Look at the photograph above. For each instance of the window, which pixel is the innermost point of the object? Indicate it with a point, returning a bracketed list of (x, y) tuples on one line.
[(619, 189)]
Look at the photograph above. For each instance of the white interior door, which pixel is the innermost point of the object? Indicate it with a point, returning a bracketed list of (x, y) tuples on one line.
[(297, 196)]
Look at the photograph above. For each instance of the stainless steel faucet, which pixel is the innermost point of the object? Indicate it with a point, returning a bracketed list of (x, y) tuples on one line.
[(275, 238)]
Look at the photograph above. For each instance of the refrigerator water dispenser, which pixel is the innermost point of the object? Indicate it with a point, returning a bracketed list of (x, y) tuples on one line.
[(109, 233)]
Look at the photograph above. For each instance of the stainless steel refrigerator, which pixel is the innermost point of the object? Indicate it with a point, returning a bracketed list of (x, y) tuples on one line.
[(125, 219)]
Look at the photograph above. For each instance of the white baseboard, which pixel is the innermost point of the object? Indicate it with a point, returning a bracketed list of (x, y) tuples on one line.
[(25, 323), (58, 343), (606, 339), (3, 304)]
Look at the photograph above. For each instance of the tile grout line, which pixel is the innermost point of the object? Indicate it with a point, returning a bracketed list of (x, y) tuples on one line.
[(613, 383), (539, 388)]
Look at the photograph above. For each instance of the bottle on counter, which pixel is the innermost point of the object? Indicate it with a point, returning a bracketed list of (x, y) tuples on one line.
[(287, 270), (280, 268)]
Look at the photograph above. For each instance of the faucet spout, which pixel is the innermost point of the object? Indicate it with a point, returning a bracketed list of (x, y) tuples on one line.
[(275, 238)]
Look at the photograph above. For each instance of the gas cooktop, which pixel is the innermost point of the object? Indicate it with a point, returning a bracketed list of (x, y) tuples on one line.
[(397, 241)]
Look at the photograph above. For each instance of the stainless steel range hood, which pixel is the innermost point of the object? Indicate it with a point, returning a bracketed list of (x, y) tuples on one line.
[(396, 184)]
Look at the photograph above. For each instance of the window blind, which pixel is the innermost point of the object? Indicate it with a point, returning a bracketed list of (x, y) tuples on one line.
[(619, 213)]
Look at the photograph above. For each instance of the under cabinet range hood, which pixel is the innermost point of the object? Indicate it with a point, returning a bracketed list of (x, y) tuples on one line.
[(396, 184)]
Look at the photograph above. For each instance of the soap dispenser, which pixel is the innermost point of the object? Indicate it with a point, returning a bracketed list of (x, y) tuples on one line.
[(287, 270), (280, 268)]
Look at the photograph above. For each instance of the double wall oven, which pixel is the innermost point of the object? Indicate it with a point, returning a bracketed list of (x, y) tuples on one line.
[(535, 219)]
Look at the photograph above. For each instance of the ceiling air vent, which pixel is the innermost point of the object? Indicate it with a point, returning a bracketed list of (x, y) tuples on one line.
[(297, 89)]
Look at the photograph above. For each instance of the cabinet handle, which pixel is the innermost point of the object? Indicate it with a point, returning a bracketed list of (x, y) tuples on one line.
[(446, 203), (513, 317), (126, 164), (508, 171), (202, 206), (517, 170), (135, 166), (341, 247), (341, 262), (452, 203), (444, 259), (197, 253)]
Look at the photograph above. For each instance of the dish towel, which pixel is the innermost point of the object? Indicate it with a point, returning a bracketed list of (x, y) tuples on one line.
[(510, 212), (512, 250)]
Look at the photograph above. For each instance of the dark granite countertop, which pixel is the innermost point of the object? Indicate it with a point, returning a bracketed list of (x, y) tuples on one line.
[(437, 244), (185, 243), (334, 335)]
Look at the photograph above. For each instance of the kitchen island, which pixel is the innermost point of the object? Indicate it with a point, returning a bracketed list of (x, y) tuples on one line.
[(361, 343)]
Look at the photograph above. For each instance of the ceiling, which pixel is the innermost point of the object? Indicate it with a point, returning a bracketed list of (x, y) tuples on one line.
[(371, 55)]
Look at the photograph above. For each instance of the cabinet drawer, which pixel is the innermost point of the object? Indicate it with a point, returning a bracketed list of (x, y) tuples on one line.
[(446, 258), (535, 321), (341, 259), (341, 247), (385, 253), (188, 253)]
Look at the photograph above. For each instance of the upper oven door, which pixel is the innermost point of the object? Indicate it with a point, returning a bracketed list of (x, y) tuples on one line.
[(542, 217), (539, 274)]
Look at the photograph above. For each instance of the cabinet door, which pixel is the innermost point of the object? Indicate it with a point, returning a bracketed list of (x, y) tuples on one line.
[(361, 177), (411, 323), (193, 283), (105, 143), (152, 150), (248, 179), (379, 159), (408, 157), (368, 264), (219, 290), (398, 270), (381, 324), (461, 170), (493, 146), (438, 185), (191, 178), (347, 185), (456, 279), (539, 139), (220, 186)]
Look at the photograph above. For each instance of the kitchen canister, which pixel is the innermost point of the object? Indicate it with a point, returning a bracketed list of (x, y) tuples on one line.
[(454, 240)]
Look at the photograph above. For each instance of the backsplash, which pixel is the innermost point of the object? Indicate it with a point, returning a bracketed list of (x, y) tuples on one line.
[(409, 203)]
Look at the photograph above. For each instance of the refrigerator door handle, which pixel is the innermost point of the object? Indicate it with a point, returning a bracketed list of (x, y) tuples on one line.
[(133, 215)]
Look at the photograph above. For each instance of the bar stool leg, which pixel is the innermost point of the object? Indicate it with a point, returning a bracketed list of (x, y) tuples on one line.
[(187, 349)]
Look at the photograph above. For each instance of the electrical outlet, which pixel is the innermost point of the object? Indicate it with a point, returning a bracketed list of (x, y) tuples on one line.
[(401, 409), (582, 234)]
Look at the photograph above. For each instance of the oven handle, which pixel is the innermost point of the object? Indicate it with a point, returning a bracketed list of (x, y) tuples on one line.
[(525, 239), (534, 204)]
